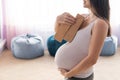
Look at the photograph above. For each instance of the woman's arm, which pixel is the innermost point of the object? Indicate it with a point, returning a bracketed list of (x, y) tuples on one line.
[(56, 26), (99, 33)]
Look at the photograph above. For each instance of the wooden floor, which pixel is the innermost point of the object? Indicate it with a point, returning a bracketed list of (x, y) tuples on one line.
[(44, 68)]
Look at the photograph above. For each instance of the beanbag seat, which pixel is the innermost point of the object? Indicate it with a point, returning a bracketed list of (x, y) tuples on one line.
[(53, 45), (110, 46), (27, 46)]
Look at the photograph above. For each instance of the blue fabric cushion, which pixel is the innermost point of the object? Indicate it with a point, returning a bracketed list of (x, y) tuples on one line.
[(110, 46), (27, 46), (53, 45)]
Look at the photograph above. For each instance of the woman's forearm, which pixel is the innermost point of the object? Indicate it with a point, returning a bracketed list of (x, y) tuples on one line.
[(81, 67), (56, 27)]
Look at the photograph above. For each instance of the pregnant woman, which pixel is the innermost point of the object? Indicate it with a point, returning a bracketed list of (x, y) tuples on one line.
[(75, 60)]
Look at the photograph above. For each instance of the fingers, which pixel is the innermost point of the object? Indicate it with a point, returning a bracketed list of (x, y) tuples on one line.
[(62, 71), (69, 19), (66, 18)]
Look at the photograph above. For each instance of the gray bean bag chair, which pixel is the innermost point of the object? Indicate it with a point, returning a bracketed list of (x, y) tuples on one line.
[(27, 46)]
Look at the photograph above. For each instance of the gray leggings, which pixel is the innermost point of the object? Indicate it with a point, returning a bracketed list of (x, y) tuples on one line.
[(88, 78)]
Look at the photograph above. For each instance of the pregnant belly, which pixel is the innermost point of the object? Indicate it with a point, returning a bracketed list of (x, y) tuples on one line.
[(68, 56)]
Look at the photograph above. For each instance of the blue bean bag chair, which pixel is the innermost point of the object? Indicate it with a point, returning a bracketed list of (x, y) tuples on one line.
[(110, 46), (53, 45), (27, 46)]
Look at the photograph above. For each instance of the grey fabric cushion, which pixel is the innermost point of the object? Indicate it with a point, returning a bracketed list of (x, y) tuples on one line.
[(27, 46)]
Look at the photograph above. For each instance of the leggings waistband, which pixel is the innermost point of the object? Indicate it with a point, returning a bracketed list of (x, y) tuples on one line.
[(87, 78)]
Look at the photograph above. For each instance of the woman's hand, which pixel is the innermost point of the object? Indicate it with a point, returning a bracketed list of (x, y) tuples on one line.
[(65, 18), (64, 73)]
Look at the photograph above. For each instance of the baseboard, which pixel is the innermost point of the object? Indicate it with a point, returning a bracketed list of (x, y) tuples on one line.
[(2, 45)]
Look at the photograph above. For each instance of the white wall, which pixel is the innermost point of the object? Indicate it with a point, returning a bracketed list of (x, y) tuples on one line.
[(115, 18), (0, 17), (41, 14)]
